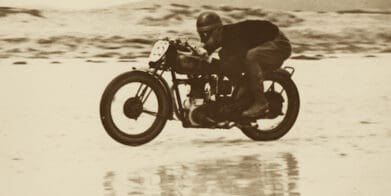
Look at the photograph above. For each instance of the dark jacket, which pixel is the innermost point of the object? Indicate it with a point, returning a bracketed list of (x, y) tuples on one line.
[(242, 36), (239, 38)]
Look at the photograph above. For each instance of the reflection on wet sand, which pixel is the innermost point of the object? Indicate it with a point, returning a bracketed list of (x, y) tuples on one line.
[(248, 175)]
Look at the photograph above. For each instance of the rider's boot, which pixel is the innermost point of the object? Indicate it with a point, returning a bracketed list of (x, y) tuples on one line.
[(260, 105)]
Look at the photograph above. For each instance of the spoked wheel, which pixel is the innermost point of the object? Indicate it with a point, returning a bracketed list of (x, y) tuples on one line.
[(134, 108), (284, 103)]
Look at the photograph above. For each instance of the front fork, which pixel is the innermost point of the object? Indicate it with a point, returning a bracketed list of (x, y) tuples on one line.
[(143, 93)]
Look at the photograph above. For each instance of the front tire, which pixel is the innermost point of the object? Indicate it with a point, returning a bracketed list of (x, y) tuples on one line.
[(291, 113), (133, 113)]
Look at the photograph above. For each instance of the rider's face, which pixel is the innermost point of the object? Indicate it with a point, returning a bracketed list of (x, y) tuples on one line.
[(205, 35), (213, 40)]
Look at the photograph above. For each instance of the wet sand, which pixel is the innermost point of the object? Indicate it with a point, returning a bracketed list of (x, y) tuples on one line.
[(52, 142)]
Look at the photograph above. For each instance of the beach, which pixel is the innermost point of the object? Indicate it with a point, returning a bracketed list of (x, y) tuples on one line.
[(53, 73)]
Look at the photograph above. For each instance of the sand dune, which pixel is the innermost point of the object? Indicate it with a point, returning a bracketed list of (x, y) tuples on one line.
[(6, 11), (127, 32)]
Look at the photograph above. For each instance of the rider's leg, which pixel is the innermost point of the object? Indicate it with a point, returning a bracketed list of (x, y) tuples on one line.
[(255, 77), (266, 57)]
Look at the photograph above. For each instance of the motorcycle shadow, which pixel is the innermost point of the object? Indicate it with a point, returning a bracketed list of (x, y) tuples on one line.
[(224, 142)]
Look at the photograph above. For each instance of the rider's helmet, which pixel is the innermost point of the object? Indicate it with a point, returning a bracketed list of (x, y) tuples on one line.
[(207, 22)]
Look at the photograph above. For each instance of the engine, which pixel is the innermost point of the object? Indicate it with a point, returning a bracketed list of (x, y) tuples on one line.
[(207, 94)]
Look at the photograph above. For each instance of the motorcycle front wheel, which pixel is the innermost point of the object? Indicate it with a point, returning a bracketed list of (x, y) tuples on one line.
[(268, 129), (134, 108)]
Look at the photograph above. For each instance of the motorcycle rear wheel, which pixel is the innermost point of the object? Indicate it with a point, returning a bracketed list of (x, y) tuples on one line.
[(257, 134), (132, 108)]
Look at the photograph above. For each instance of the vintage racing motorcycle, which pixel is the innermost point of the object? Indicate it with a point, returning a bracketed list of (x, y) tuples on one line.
[(136, 105)]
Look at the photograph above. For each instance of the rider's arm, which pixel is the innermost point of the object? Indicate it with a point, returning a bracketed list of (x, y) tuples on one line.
[(206, 64)]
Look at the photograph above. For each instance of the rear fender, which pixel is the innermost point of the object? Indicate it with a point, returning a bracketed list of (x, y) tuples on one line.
[(286, 72)]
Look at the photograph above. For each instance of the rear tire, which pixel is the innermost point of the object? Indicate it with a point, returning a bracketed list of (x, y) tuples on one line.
[(161, 117), (291, 115)]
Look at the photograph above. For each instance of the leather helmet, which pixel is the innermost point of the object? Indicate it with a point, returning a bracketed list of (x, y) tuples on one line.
[(207, 22)]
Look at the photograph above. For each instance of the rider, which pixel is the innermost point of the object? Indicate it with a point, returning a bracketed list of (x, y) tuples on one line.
[(259, 45)]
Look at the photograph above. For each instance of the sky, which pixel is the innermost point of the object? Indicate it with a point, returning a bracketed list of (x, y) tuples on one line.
[(274, 4)]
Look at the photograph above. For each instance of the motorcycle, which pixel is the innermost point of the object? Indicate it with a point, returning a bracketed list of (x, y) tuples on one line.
[(213, 101)]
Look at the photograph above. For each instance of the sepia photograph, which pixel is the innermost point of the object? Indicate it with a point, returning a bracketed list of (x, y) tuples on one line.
[(195, 97)]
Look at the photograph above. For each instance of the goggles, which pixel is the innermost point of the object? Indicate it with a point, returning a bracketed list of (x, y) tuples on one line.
[(206, 31), (205, 34)]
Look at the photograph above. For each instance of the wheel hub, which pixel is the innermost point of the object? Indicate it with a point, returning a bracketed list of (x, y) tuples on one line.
[(133, 108)]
